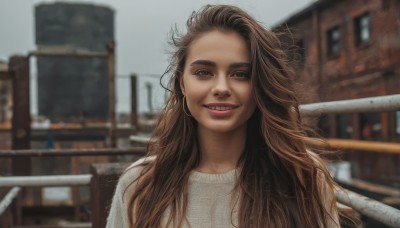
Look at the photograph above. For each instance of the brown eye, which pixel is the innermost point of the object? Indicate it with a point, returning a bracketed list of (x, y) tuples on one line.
[(202, 73), (241, 75)]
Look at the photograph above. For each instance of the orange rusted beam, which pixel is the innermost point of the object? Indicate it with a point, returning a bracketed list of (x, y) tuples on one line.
[(348, 144)]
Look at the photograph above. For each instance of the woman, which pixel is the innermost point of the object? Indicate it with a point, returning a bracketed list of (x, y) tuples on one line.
[(229, 149)]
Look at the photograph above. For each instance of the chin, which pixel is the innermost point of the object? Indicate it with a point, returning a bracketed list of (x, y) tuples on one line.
[(222, 127)]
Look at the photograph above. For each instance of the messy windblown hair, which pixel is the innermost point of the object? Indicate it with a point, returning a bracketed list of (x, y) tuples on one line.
[(280, 183)]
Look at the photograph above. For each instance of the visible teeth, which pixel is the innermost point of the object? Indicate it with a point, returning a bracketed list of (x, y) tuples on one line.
[(220, 108)]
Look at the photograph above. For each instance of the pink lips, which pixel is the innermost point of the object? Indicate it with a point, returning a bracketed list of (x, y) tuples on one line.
[(220, 109)]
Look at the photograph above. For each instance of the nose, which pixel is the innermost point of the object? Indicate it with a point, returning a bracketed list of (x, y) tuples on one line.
[(221, 87)]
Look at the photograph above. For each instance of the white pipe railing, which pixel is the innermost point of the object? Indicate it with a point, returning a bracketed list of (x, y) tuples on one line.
[(41, 181), (369, 104), (139, 139), (364, 205), (5, 203), (371, 208)]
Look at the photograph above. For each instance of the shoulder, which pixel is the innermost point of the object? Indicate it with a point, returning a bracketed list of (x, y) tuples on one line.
[(118, 216), (133, 172)]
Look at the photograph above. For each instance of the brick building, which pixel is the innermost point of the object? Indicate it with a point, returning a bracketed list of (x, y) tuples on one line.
[(347, 50)]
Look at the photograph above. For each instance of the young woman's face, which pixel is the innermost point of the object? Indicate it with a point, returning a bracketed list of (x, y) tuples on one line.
[(216, 82)]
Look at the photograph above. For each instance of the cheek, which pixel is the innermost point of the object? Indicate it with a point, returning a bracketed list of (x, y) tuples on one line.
[(194, 89), (246, 94), (194, 94)]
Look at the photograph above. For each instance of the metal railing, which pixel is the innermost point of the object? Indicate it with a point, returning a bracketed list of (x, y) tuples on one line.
[(351, 144), (5, 203), (371, 208), (364, 205), (72, 152), (368, 207), (42, 181), (370, 104)]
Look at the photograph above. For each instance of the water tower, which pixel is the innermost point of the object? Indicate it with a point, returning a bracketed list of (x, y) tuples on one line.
[(71, 88)]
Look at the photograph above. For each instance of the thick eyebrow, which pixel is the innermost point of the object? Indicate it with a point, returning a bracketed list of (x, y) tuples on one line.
[(239, 65), (211, 63), (203, 62)]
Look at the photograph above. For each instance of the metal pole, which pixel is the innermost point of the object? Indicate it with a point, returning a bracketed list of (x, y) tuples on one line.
[(63, 225), (370, 146), (369, 207), (7, 200), (21, 119), (102, 188), (134, 115), (45, 181), (111, 94), (72, 152), (370, 104), (61, 53), (139, 139), (149, 88)]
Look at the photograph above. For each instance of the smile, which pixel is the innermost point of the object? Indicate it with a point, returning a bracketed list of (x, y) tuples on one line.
[(221, 107)]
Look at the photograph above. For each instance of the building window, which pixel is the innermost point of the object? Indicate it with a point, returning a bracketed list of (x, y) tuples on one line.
[(345, 128), (324, 126), (362, 27), (370, 126), (333, 41)]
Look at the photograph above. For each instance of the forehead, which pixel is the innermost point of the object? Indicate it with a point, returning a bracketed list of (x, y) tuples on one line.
[(219, 46)]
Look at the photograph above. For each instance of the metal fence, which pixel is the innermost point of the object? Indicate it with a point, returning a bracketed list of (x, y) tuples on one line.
[(368, 207), (5, 203)]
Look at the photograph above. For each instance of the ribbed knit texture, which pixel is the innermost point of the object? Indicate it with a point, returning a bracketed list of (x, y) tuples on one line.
[(209, 200)]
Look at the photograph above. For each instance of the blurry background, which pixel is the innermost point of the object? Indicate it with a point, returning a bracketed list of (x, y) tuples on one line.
[(141, 36), (338, 49)]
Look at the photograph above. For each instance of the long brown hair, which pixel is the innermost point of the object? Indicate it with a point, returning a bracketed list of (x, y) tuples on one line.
[(280, 181)]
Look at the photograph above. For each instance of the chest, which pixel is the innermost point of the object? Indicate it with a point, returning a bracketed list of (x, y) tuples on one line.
[(211, 205)]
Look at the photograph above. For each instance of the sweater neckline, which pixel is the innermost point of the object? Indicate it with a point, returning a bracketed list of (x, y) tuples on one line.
[(227, 177)]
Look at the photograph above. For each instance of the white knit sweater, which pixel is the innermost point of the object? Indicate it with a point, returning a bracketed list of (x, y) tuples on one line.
[(209, 200)]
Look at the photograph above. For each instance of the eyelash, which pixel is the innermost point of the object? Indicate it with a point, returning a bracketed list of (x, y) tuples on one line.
[(206, 73), (244, 74), (202, 73)]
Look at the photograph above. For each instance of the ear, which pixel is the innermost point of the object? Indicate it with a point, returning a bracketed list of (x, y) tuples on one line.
[(181, 84)]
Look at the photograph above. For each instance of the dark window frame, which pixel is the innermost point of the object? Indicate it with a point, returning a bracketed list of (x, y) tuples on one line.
[(333, 38), (359, 28)]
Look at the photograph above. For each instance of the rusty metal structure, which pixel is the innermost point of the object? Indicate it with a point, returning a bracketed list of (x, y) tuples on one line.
[(350, 50), (71, 88), (110, 56), (72, 152), (21, 120)]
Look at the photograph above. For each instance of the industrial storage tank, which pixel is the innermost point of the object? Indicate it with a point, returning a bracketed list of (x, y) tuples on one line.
[(71, 88)]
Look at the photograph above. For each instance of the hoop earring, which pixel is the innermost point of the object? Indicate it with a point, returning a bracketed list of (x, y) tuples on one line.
[(183, 106)]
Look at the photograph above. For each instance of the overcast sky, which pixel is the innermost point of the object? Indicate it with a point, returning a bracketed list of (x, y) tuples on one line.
[(141, 29)]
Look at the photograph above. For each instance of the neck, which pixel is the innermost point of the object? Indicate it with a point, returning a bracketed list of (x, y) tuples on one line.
[(220, 151)]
